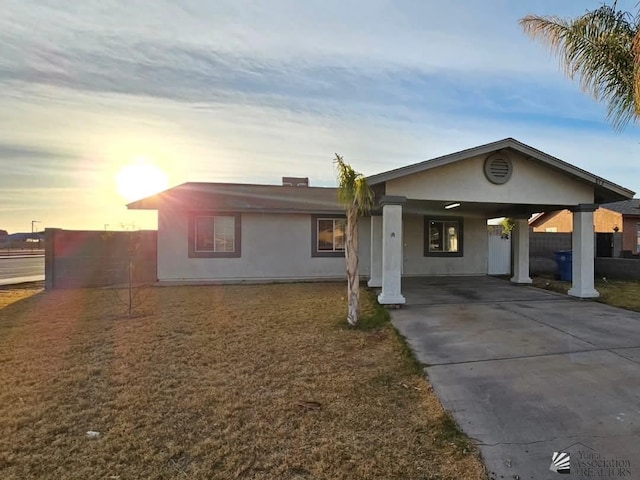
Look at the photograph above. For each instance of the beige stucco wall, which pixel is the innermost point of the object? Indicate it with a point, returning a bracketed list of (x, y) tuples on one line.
[(530, 183), (475, 249), (278, 247), (274, 247), (562, 222), (603, 219)]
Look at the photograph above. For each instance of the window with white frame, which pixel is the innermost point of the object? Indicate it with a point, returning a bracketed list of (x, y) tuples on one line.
[(328, 236), (443, 237), (214, 235), (638, 237)]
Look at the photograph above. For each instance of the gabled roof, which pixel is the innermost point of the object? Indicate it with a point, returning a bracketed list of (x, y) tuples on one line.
[(626, 207), (542, 217), (605, 190), (243, 197)]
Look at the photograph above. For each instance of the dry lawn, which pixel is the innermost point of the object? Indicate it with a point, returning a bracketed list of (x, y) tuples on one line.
[(618, 293), (12, 293), (217, 382)]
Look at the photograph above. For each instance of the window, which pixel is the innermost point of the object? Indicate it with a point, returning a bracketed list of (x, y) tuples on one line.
[(443, 237), (638, 238), (214, 235), (328, 236), (551, 229)]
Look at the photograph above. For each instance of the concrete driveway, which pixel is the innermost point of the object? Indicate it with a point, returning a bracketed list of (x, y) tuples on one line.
[(527, 373)]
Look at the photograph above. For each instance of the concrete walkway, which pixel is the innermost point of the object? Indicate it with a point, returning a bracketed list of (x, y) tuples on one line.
[(527, 373)]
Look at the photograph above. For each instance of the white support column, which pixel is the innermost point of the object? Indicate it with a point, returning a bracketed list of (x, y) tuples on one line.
[(583, 245), (521, 252), (391, 251), (375, 279)]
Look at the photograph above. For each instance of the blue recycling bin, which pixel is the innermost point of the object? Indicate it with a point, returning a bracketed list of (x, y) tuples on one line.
[(564, 258)]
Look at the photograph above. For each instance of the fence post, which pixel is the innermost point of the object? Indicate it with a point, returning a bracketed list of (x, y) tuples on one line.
[(49, 258)]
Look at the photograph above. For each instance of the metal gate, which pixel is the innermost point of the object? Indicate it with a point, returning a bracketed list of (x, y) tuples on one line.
[(604, 244), (499, 258)]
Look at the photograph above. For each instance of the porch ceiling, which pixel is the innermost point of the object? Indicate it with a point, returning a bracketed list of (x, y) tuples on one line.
[(477, 209)]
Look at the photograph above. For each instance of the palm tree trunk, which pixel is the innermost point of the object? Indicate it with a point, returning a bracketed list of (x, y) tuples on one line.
[(353, 277)]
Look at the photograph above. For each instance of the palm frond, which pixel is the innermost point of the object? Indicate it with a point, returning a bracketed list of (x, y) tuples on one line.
[(597, 49), (363, 195), (353, 189)]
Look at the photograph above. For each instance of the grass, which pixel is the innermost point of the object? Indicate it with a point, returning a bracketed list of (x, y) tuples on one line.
[(618, 293), (217, 382), (12, 293), (374, 316)]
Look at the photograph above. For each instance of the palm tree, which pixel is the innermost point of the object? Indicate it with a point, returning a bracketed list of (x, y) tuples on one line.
[(602, 50), (357, 198)]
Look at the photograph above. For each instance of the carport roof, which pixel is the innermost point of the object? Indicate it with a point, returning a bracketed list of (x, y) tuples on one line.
[(604, 189)]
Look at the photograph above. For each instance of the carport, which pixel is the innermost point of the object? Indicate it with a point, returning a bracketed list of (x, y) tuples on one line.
[(432, 216), (527, 372)]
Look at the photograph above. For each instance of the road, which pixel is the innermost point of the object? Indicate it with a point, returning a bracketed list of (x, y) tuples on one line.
[(21, 269)]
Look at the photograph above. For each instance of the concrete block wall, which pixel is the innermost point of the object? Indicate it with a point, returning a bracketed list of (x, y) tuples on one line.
[(618, 268), (542, 246)]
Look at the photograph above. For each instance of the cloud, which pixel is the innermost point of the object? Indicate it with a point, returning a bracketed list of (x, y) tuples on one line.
[(207, 51), (251, 91), (28, 152), (25, 167), (416, 34), (324, 57)]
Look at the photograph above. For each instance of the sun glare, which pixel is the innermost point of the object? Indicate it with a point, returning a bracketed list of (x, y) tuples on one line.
[(141, 179)]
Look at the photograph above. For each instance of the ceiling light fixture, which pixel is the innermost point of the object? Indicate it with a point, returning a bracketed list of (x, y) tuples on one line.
[(451, 205)]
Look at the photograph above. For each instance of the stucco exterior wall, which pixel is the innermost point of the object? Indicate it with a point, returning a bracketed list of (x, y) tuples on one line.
[(277, 247), (274, 247), (530, 183), (561, 222), (475, 249), (603, 219)]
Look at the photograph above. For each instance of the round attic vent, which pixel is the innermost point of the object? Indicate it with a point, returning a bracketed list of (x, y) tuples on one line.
[(498, 168)]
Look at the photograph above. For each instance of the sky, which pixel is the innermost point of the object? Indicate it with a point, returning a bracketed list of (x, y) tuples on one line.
[(238, 91)]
